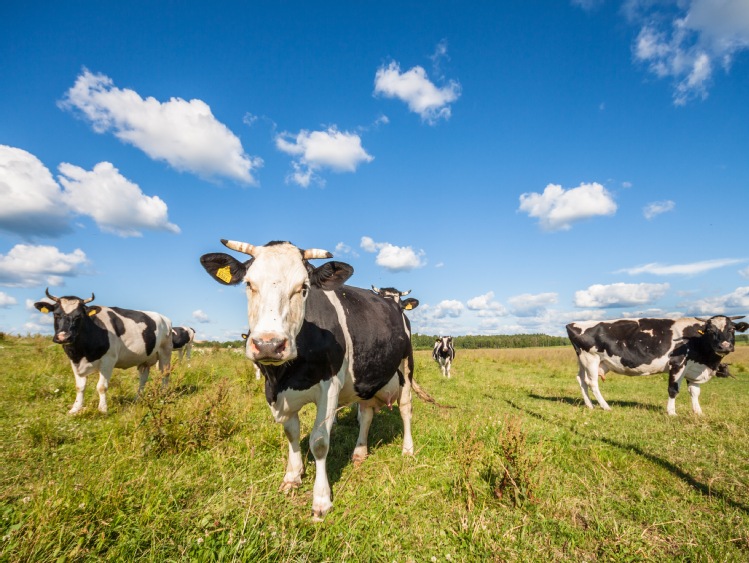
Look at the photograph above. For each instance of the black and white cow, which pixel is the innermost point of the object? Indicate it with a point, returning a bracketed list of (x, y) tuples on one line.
[(688, 348), (99, 339), (319, 341), (182, 339), (444, 353), (395, 295)]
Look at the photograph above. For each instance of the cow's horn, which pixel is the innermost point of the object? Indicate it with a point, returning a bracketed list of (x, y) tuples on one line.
[(701, 320), (311, 253), (404, 293), (737, 317), (89, 300), (244, 247), (52, 297)]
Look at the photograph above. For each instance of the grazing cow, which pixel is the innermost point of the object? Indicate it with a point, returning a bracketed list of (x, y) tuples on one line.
[(395, 295), (182, 339), (688, 348), (319, 341), (444, 353), (99, 339)]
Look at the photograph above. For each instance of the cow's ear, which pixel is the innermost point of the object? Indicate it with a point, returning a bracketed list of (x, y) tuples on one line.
[(223, 268), (741, 327), (93, 310), (410, 303), (45, 307), (331, 275)]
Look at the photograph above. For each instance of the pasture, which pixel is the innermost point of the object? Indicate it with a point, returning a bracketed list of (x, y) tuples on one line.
[(519, 470)]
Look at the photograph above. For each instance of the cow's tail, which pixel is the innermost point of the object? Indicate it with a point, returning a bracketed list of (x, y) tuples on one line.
[(426, 397)]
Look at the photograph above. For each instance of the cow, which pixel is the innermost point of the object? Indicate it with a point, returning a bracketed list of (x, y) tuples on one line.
[(319, 341), (395, 295), (688, 348), (444, 353), (182, 339), (99, 339)]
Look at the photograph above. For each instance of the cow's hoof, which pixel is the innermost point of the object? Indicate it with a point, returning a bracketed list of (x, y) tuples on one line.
[(320, 507), (671, 413), (288, 486), (75, 410), (103, 410)]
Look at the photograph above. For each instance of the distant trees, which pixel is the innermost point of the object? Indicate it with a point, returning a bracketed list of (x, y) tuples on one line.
[(426, 342)]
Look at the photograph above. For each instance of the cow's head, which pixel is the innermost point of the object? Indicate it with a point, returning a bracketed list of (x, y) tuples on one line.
[(69, 313), (445, 342), (278, 279), (719, 332), (395, 295)]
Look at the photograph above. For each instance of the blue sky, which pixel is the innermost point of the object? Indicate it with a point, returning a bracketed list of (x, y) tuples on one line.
[(518, 165)]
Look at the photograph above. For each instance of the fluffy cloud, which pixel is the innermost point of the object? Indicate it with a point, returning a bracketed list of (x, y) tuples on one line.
[(31, 199), (394, 258), (335, 150), (681, 269), (530, 305), (652, 210), (6, 300), (184, 134), (34, 204), (29, 265), (415, 89), (557, 208), (116, 204), (200, 316), (620, 294), (689, 40), (735, 302), (486, 306)]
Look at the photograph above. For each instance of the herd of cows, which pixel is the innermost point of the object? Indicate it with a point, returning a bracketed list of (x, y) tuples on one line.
[(316, 340)]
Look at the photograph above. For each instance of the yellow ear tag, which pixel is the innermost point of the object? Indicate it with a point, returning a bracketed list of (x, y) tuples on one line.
[(701, 331), (224, 274), (408, 307), (44, 310), (92, 312)]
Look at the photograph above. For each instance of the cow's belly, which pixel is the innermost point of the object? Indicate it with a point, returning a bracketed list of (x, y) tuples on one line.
[(658, 365), (697, 373), (386, 396), (129, 358), (84, 368)]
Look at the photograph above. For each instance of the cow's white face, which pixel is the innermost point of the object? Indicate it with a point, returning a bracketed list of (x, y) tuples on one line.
[(277, 288)]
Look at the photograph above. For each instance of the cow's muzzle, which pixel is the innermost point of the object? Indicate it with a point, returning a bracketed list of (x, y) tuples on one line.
[(269, 349), (726, 347), (61, 337)]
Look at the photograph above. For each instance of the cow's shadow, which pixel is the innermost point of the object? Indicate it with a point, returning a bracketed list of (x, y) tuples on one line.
[(575, 402), (386, 428)]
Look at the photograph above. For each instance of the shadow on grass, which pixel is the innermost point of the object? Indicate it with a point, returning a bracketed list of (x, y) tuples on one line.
[(678, 472), (579, 402)]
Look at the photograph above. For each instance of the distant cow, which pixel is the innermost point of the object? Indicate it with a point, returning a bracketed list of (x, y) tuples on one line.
[(319, 341), (395, 295), (688, 348), (99, 339), (444, 353), (182, 339)]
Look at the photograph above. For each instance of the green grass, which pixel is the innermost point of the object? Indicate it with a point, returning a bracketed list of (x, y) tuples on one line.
[(518, 471)]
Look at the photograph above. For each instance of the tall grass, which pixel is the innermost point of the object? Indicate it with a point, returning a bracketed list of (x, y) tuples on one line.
[(519, 471)]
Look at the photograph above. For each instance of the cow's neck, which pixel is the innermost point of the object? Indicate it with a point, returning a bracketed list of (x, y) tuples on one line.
[(88, 339), (700, 351)]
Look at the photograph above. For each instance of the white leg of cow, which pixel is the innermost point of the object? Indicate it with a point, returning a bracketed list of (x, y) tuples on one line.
[(448, 363), (674, 383), (319, 441), (165, 362), (365, 420), (294, 465), (405, 408), (592, 365), (143, 371), (188, 352), (80, 386), (582, 381), (694, 392), (102, 387)]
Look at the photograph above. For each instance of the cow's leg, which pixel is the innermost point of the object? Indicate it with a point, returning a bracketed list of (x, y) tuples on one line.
[(319, 441), (365, 420), (674, 382), (405, 408), (143, 371), (188, 352), (294, 465), (592, 364), (581, 380), (694, 392), (165, 362), (80, 386), (104, 376), (448, 363)]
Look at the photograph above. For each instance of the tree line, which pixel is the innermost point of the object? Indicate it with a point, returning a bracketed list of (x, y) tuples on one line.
[(426, 342)]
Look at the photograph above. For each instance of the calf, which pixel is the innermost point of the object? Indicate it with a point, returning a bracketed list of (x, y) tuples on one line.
[(319, 341), (182, 339), (688, 348), (99, 339), (444, 353)]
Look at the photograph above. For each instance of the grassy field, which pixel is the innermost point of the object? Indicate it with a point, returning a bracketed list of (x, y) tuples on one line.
[(519, 470)]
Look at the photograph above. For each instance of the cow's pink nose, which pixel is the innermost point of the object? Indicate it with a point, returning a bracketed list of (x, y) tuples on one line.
[(268, 347)]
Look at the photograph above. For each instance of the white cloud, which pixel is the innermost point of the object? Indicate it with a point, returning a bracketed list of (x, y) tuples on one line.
[(620, 294), (394, 258), (115, 203), (686, 41), (183, 133), (486, 306), (344, 249), (336, 150), (557, 208), (736, 302), (531, 305), (7, 301), (31, 199), (30, 265), (652, 210), (415, 89), (681, 269), (34, 204), (200, 316), (448, 308), (744, 272)]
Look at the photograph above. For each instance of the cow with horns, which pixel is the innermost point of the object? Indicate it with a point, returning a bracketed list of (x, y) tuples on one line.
[(319, 341), (99, 339), (688, 348), (443, 353), (395, 296)]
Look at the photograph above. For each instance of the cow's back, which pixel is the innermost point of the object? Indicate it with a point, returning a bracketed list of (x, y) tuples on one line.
[(135, 336)]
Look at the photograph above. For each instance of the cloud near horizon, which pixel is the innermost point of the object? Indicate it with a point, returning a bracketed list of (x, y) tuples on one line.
[(620, 295), (557, 209), (691, 269)]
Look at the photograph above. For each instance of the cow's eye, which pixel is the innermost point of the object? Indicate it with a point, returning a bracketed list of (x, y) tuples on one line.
[(305, 290)]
